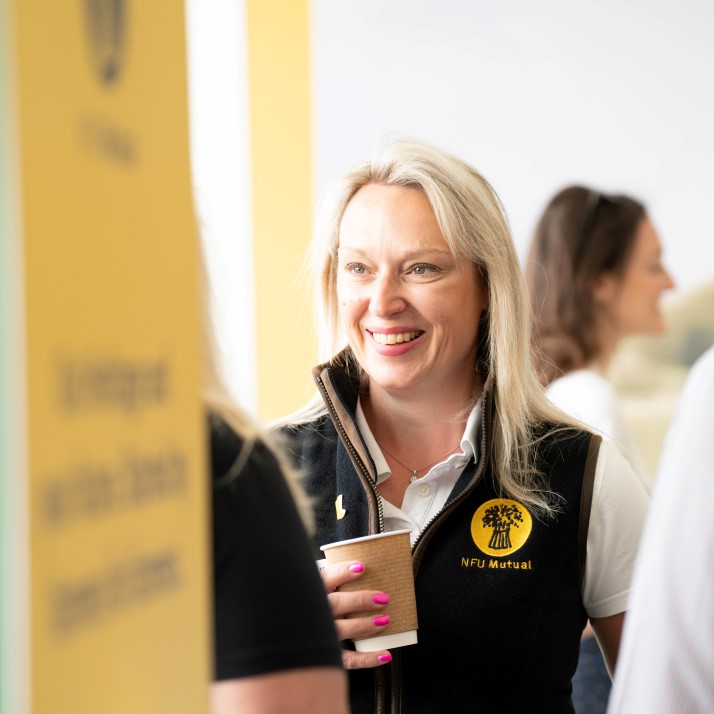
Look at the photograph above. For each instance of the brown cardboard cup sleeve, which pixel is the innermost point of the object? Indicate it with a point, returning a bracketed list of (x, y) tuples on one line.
[(387, 559)]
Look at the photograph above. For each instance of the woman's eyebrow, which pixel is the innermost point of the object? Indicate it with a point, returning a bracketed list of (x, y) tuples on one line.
[(419, 253)]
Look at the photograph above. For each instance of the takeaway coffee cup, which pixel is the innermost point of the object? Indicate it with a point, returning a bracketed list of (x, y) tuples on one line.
[(387, 559)]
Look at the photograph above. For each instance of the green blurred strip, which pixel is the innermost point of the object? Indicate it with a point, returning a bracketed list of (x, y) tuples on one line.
[(4, 377), (4, 343), (13, 541)]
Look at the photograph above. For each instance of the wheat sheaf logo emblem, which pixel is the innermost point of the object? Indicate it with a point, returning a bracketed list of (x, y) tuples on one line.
[(501, 526), (106, 32)]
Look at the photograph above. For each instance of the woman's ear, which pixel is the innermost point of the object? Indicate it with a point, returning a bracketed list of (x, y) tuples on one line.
[(604, 289)]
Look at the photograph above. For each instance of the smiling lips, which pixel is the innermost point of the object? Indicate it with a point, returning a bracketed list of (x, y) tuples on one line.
[(396, 338)]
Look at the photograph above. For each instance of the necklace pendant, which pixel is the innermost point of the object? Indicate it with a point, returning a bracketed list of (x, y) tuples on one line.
[(414, 475)]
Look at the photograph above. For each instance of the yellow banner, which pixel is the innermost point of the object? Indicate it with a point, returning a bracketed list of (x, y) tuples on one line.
[(278, 36), (117, 484)]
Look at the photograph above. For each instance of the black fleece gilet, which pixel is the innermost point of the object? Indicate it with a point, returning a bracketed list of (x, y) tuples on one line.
[(498, 590)]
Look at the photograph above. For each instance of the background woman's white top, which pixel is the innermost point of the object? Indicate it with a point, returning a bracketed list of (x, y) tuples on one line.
[(589, 397)]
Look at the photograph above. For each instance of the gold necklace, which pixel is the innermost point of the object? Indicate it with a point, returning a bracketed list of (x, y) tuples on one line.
[(414, 471)]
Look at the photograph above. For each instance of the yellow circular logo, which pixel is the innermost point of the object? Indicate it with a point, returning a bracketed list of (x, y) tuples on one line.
[(501, 526)]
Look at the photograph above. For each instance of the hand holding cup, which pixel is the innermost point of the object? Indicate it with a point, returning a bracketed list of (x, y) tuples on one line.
[(370, 574)]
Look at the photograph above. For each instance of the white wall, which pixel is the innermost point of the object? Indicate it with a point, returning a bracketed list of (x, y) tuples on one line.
[(615, 93), (220, 157)]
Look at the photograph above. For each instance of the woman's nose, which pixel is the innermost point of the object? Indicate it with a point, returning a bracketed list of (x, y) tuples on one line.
[(669, 283), (387, 298)]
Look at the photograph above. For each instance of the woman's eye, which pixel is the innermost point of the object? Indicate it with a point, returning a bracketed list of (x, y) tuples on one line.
[(424, 269), (355, 268)]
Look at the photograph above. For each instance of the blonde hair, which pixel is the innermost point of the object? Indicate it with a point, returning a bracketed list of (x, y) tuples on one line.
[(217, 400), (473, 222)]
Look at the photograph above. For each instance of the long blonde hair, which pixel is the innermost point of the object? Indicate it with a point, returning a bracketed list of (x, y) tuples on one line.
[(217, 400), (475, 227)]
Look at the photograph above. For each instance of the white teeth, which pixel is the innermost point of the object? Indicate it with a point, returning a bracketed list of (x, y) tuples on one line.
[(394, 338)]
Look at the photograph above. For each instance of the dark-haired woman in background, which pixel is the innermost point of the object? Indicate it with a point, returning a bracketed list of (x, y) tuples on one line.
[(595, 276)]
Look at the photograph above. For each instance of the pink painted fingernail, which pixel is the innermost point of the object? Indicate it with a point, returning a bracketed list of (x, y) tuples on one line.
[(381, 620), (380, 598), (357, 568), (386, 657)]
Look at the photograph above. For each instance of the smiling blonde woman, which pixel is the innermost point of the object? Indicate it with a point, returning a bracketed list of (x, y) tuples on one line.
[(429, 416)]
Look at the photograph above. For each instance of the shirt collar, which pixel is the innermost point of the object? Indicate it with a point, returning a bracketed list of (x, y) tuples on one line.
[(469, 439)]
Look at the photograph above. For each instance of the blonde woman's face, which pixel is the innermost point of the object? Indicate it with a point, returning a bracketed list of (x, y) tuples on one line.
[(410, 312), (634, 299)]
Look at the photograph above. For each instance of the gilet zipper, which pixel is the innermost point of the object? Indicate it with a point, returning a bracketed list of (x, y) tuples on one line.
[(356, 459)]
